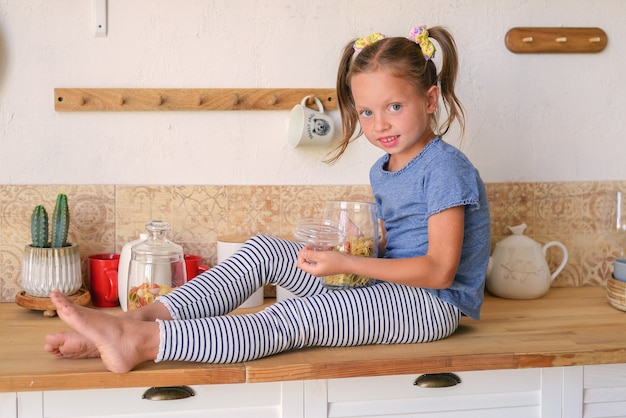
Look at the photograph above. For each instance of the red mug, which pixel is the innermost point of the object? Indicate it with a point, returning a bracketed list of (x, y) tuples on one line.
[(102, 273), (194, 266)]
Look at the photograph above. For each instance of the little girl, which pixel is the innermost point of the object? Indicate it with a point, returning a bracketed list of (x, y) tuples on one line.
[(434, 248)]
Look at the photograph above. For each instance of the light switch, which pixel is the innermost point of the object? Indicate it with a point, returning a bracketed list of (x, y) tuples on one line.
[(100, 17)]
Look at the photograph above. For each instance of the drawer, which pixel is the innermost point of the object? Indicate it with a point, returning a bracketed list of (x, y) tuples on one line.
[(511, 393), (235, 400)]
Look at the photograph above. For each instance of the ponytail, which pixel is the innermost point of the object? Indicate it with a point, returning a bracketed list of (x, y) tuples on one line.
[(447, 80), (345, 103)]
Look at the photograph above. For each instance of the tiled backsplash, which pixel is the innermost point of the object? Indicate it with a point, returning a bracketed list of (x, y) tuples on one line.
[(103, 218)]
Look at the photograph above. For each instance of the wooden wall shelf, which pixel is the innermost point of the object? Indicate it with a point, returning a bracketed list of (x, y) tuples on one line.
[(120, 99), (555, 40)]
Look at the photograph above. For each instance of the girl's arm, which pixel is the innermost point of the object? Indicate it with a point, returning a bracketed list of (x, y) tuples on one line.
[(435, 270)]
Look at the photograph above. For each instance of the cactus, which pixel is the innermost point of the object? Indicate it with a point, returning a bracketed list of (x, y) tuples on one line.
[(39, 227), (60, 222)]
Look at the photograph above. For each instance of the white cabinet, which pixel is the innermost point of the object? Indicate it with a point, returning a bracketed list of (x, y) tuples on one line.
[(604, 391), (274, 399), (522, 393), (554, 392)]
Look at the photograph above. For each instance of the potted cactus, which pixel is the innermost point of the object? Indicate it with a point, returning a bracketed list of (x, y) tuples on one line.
[(50, 264)]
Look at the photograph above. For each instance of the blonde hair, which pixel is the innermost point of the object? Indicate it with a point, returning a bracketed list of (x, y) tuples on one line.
[(402, 58)]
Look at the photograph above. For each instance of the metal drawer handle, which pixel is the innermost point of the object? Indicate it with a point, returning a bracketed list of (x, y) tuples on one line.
[(166, 393), (437, 380)]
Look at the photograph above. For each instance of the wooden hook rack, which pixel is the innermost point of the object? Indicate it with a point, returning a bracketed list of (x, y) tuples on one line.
[(121, 99), (555, 40)]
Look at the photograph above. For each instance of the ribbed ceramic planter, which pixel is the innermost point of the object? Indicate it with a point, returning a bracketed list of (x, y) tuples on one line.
[(46, 269)]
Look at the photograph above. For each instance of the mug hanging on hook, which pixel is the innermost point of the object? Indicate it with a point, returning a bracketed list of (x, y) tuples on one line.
[(309, 127)]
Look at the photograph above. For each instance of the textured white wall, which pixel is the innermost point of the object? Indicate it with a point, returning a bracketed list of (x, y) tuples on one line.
[(530, 117)]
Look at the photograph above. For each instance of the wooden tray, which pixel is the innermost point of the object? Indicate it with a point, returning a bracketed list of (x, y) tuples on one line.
[(82, 297)]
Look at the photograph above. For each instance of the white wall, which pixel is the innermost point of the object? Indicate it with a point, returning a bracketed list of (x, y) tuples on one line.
[(530, 117)]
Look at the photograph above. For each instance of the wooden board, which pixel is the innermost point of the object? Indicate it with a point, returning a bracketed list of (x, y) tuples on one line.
[(555, 40), (129, 99), (567, 327)]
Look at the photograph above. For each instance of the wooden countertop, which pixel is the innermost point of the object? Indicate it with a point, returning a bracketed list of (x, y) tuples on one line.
[(568, 326)]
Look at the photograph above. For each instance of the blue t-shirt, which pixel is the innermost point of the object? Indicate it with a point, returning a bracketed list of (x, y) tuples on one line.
[(438, 178)]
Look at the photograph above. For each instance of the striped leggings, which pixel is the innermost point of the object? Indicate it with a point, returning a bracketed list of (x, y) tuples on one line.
[(385, 313)]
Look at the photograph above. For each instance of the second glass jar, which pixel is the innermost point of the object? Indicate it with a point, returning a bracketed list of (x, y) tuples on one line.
[(157, 266)]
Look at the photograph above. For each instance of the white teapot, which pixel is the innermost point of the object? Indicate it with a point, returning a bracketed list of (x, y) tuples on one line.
[(518, 268)]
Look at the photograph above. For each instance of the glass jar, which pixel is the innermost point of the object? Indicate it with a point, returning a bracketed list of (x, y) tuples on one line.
[(157, 266), (319, 234), (359, 225)]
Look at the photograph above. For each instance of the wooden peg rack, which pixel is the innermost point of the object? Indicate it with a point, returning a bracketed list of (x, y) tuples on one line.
[(120, 99), (555, 40)]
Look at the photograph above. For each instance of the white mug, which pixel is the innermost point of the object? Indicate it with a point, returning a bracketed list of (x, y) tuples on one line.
[(619, 269), (310, 127)]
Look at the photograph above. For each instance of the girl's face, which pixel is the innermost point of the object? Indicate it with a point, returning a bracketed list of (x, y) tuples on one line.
[(393, 116)]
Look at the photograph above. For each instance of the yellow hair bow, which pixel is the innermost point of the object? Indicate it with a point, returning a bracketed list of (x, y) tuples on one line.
[(361, 43), (419, 35)]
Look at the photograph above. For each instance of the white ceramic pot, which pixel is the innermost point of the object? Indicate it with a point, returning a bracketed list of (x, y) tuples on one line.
[(46, 269)]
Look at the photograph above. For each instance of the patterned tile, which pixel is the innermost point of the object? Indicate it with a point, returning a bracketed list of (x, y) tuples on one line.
[(595, 256), (199, 216), (10, 271), (105, 217), (559, 208), (252, 209), (511, 205), (92, 211), (598, 205), (135, 206), (16, 206)]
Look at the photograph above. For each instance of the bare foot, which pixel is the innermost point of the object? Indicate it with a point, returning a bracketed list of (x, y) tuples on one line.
[(122, 343)]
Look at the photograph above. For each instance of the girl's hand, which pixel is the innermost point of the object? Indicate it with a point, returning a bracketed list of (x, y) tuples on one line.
[(321, 263)]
